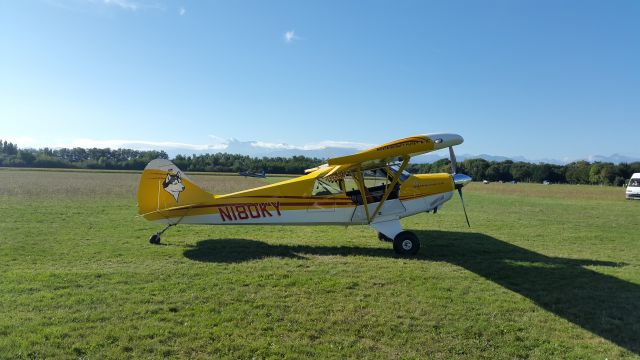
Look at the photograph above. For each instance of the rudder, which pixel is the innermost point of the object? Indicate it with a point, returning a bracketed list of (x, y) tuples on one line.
[(164, 186)]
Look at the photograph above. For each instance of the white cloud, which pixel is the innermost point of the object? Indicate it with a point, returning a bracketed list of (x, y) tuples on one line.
[(312, 146), (30, 142), (182, 11), (290, 36), (217, 144), (123, 4), (23, 141), (130, 5), (342, 144), (220, 142), (218, 138), (224, 143), (142, 145)]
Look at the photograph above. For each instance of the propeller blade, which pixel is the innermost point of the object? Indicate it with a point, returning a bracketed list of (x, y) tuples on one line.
[(452, 157), (463, 207)]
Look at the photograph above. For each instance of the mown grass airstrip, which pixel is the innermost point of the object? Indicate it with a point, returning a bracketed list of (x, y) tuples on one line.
[(544, 272)]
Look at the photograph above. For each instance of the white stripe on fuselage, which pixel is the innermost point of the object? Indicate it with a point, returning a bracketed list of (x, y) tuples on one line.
[(333, 216)]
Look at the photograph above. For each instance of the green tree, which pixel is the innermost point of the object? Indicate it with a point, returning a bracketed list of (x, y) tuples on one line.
[(521, 171), (26, 157), (476, 168), (578, 172)]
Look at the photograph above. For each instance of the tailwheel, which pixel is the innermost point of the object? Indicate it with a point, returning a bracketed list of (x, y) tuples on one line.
[(406, 243), (383, 237), (154, 239)]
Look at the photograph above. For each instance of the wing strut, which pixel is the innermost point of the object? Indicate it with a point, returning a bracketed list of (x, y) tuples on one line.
[(359, 176), (405, 162)]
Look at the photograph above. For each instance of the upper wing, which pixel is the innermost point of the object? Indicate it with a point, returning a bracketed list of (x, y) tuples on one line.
[(383, 154)]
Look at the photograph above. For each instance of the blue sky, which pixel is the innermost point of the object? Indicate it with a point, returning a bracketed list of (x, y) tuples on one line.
[(542, 79)]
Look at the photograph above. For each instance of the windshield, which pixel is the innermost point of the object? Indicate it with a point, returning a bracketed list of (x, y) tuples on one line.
[(634, 182), (322, 187), (405, 174)]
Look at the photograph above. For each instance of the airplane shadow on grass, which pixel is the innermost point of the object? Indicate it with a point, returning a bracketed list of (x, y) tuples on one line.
[(603, 304)]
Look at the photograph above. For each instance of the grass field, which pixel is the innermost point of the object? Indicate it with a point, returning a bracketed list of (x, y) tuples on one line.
[(544, 272)]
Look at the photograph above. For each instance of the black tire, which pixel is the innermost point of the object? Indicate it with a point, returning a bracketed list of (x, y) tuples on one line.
[(406, 243), (154, 239), (383, 237)]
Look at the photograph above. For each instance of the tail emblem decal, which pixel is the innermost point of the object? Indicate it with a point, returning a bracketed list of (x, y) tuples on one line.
[(173, 184)]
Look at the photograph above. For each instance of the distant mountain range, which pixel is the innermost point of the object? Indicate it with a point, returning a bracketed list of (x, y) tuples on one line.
[(258, 149), (322, 150), (615, 158)]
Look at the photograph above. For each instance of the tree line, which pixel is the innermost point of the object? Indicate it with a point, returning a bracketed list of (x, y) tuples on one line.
[(127, 159), (76, 158), (578, 172)]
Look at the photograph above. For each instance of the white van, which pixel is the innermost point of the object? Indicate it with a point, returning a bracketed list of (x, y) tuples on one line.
[(633, 189)]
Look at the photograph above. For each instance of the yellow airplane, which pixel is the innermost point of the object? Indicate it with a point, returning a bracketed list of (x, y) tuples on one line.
[(367, 188)]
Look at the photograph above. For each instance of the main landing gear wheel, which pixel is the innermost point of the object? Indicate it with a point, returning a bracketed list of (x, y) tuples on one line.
[(383, 237), (154, 239), (406, 243)]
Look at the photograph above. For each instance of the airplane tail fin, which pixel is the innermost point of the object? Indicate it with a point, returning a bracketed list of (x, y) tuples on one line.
[(163, 186)]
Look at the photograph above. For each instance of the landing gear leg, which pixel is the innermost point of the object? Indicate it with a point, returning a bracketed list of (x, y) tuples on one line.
[(383, 237), (155, 238), (387, 229)]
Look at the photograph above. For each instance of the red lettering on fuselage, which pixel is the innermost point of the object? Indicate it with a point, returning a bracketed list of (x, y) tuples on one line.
[(224, 214), (242, 212), (252, 207), (276, 205), (246, 211), (263, 210)]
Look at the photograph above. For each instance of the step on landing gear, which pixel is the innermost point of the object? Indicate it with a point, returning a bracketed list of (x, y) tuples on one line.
[(155, 238)]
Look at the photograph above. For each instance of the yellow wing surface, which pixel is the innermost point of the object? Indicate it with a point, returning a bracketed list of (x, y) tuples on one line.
[(395, 150)]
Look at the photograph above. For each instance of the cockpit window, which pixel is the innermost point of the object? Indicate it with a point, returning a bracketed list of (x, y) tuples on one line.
[(634, 183), (405, 174), (323, 187)]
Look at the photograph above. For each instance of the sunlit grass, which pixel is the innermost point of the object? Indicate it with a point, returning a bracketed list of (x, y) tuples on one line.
[(544, 272)]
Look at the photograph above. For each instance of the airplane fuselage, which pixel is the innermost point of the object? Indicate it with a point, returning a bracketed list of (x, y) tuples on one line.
[(418, 193), (370, 187)]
